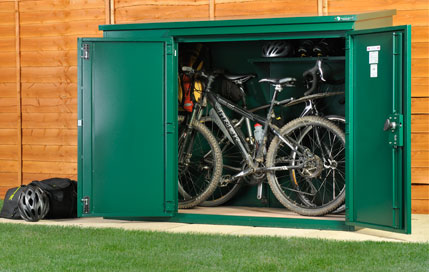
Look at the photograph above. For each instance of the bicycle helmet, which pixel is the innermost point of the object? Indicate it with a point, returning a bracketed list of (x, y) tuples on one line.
[(274, 49), (33, 203)]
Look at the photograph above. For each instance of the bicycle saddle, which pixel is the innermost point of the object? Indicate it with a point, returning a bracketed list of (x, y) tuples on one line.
[(239, 78), (287, 81)]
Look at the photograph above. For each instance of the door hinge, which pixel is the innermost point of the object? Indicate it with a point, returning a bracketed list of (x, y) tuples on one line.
[(348, 43), (85, 51), (85, 202), (395, 126), (396, 43), (170, 128), (170, 207)]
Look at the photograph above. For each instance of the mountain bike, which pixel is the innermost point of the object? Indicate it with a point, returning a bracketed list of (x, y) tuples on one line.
[(231, 155), (306, 147)]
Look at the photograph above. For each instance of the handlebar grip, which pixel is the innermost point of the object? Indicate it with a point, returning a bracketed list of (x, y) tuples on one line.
[(312, 72), (187, 69)]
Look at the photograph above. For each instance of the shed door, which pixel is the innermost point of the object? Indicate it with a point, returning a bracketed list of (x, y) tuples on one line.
[(378, 129), (128, 133)]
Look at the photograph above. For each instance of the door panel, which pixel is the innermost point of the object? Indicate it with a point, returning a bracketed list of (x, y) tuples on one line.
[(378, 168), (124, 130)]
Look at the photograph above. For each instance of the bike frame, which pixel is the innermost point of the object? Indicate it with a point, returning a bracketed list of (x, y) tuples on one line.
[(217, 101)]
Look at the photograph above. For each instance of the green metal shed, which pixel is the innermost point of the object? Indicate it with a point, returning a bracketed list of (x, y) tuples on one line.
[(127, 111)]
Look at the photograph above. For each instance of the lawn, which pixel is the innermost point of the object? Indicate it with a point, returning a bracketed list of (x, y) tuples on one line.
[(48, 248)]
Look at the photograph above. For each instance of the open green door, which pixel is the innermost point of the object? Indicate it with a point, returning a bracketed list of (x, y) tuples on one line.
[(127, 136), (378, 129)]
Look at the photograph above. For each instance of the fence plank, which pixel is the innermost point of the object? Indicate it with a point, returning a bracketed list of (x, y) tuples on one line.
[(8, 136), (419, 158), (46, 90), (7, 75), (49, 43), (7, 44), (8, 120), (414, 17), (7, 17), (365, 5), (420, 50), (59, 16), (420, 192), (420, 87), (49, 58), (420, 206), (49, 74), (420, 34), (49, 136), (8, 152), (49, 153), (7, 31), (84, 28), (8, 166), (60, 5), (49, 120), (252, 8), (420, 68), (45, 105), (8, 104), (7, 89), (128, 3), (29, 177), (39, 167), (419, 123), (160, 12), (420, 175), (420, 105), (420, 141), (9, 180)]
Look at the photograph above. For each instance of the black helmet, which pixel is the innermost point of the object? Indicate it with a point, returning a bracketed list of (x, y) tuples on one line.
[(33, 203), (274, 49)]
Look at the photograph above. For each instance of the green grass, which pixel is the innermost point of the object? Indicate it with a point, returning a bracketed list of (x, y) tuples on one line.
[(43, 248)]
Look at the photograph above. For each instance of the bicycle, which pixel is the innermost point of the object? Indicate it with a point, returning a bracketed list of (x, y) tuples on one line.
[(310, 142), (231, 154)]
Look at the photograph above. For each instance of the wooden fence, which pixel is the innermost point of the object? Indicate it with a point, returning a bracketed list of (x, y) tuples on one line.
[(38, 72)]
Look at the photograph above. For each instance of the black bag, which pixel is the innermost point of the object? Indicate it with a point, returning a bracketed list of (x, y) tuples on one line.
[(62, 194), (10, 203), (230, 91)]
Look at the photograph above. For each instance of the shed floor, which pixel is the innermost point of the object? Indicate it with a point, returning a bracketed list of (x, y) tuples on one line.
[(256, 211)]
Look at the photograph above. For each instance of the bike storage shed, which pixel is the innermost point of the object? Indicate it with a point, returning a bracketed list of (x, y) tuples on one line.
[(128, 112)]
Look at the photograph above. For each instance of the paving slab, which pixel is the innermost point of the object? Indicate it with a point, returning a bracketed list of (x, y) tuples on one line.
[(420, 229)]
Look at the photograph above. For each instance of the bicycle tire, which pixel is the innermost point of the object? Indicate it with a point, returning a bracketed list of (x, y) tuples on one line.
[(207, 170), (340, 121), (232, 157), (288, 193)]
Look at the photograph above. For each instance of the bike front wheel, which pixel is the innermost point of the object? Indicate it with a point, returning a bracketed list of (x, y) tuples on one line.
[(316, 185), (200, 164)]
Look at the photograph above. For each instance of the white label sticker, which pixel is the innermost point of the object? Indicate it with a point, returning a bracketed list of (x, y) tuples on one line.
[(373, 48), (374, 70), (373, 57)]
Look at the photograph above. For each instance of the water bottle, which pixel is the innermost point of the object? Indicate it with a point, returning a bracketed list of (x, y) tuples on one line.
[(258, 132)]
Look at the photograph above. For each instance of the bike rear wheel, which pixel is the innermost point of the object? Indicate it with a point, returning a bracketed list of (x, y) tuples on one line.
[(321, 180), (200, 164)]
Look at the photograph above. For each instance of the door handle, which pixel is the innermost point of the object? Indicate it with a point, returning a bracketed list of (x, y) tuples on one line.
[(389, 125)]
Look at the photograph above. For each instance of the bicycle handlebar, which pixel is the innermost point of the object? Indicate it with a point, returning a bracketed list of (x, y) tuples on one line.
[(315, 72)]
